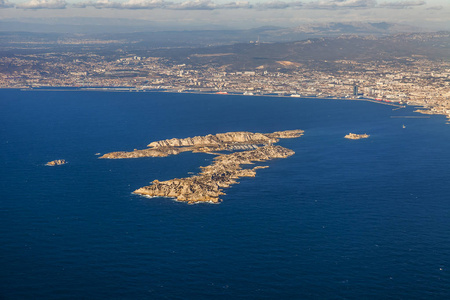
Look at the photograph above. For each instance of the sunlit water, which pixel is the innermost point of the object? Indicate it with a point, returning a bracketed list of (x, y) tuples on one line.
[(341, 219)]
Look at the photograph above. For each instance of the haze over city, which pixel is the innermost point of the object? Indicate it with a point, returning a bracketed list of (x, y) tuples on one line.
[(207, 14)]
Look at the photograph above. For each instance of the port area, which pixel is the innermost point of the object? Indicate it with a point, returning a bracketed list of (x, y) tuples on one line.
[(393, 103)]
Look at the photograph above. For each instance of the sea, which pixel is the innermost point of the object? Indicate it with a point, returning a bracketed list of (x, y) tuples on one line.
[(340, 219)]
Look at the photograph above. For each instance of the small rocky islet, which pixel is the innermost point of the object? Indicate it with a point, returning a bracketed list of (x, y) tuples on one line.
[(355, 136), (208, 185), (56, 162)]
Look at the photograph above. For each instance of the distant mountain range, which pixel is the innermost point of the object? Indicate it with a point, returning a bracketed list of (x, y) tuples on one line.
[(315, 51), (267, 47), (153, 35), (333, 29)]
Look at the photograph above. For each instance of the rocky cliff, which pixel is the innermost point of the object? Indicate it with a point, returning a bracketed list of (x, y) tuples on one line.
[(355, 136), (230, 141), (208, 185), (56, 162)]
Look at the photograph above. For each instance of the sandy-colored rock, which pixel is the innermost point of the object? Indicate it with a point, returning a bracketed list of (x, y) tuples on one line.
[(214, 140), (161, 152), (354, 136), (56, 162), (437, 110), (208, 185), (287, 134), (210, 143)]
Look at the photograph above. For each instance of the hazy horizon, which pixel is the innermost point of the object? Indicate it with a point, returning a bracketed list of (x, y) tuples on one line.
[(205, 14)]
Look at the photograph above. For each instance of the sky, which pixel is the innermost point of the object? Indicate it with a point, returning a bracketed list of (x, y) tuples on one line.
[(431, 14)]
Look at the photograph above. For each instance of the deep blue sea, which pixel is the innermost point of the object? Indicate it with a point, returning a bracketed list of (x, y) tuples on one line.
[(341, 219)]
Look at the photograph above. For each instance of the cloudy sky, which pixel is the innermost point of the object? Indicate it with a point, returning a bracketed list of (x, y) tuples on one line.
[(434, 14)]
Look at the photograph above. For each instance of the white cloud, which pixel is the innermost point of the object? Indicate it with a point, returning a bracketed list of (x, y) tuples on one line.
[(279, 5), (6, 4), (273, 5), (98, 4), (212, 5), (438, 7), (43, 4), (234, 5), (145, 4), (131, 4), (336, 4), (402, 4), (194, 5), (161, 4)]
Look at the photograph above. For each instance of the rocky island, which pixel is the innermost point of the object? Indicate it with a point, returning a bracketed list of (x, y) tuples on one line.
[(56, 162), (230, 141), (208, 185), (354, 136)]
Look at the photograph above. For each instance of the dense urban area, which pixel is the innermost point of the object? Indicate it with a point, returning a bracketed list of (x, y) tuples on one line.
[(412, 79)]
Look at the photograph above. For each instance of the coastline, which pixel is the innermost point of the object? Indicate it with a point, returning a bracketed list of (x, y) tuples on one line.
[(210, 92), (207, 186), (421, 108), (325, 183)]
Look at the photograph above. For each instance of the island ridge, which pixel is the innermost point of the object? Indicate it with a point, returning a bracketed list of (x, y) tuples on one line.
[(208, 185)]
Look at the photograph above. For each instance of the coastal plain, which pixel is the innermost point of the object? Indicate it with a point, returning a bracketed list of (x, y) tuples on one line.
[(405, 68)]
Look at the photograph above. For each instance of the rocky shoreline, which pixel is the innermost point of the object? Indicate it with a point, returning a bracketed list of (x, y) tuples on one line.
[(208, 185), (228, 141), (56, 162), (437, 110), (355, 136)]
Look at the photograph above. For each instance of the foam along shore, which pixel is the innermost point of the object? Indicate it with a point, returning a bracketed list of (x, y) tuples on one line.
[(208, 185), (56, 162), (355, 136)]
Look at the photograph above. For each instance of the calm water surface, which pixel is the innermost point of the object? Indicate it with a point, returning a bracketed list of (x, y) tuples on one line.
[(341, 219)]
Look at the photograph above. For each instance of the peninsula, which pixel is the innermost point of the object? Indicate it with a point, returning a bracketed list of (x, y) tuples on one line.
[(355, 136), (208, 185)]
